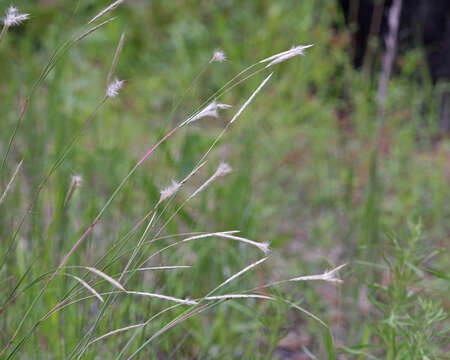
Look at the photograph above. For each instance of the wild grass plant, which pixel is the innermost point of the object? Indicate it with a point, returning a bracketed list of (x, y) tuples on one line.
[(304, 179), (88, 280)]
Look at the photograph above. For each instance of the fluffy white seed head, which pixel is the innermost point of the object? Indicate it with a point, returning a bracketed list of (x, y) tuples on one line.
[(218, 56), (114, 87), (209, 110), (223, 169), (285, 55), (13, 17), (77, 181), (169, 191), (330, 276)]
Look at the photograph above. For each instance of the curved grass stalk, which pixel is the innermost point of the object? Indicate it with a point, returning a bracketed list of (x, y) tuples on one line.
[(53, 60), (216, 140), (138, 164), (43, 182), (10, 182)]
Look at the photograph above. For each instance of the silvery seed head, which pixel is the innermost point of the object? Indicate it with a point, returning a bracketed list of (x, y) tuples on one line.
[(218, 56), (169, 191), (285, 55), (13, 17), (77, 181), (209, 110), (114, 87)]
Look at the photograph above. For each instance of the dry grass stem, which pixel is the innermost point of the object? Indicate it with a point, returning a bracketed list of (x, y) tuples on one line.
[(165, 297), (76, 183), (106, 277), (91, 30), (264, 247), (117, 331), (164, 267), (243, 271), (11, 181), (250, 99), (115, 58), (239, 296), (87, 286)]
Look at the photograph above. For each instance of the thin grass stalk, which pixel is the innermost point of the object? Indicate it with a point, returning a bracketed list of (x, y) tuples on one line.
[(189, 313), (216, 140), (43, 182), (111, 198), (106, 11), (53, 60), (55, 165), (115, 58), (138, 247), (238, 274), (110, 300), (12, 297), (8, 186), (44, 73), (146, 155), (174, 322), (150, 224), (140, 268), (145, 324), (4, 31)]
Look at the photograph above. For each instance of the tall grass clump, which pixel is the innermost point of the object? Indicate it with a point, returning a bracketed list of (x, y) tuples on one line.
[(120, 297)]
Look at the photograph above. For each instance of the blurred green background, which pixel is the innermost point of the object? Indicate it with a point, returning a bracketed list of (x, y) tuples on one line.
[(307, 178)]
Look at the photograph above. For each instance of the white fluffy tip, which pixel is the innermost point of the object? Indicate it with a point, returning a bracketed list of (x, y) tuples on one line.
[(170, 190), (114, 87), (218, 56), (13, 17)]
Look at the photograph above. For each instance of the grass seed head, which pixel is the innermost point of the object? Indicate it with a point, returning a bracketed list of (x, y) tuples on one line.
[(223, 169), (77, 181), (218, 56), (285, 55), (114, 87), (209, 110), (169, 191), (13, 17)]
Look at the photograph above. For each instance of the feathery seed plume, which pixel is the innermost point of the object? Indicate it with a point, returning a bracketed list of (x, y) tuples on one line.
[(106, 10), (13, 17), (114, 87), (329, 276), (222, 170), (209, 110), (77, 181), (169, 191), (218, 56), (285, 55)]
